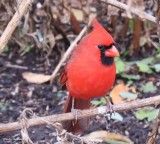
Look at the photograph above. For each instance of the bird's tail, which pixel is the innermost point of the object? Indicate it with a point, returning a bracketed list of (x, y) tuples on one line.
[(76, 125)]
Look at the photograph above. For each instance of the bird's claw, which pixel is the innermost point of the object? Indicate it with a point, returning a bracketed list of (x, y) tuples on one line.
[(75, 112), (110, 109)]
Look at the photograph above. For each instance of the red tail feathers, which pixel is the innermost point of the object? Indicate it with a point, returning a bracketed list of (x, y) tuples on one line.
[(79, 104)]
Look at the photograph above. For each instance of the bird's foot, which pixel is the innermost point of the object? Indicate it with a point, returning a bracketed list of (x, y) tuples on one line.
[(110, 108), (75, 112)]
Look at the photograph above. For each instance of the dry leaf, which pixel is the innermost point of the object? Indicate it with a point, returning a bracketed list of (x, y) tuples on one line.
[(128, 92), (106, 137), (36, 78), (115, 93), (78, 14)]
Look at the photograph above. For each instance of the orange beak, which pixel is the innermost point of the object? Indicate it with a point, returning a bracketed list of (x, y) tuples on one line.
[(112, 52)]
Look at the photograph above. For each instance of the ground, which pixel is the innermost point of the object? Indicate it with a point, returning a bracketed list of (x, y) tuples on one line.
[(16, 94)]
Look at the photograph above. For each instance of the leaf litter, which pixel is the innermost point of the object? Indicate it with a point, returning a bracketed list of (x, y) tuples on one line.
[(43, 97)]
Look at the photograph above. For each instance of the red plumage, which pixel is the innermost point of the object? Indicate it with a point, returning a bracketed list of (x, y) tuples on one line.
[(88, 74)]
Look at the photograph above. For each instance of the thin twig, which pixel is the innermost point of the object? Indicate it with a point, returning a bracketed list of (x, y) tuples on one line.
[(15, 66), (84, 113), (68, 52), (24, 6), (141, 14)]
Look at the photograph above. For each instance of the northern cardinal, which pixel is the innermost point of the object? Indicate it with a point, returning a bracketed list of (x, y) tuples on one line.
[(89, 73)]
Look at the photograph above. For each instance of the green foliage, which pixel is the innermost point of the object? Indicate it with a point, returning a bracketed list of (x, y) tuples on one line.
[(6, 49), (21, 32), (120, 65), (115, 116), (27, 49), (156, 67), (3, 106), (128, 95), (147, 113), (148, 87), (149, 60), (95, 102), (131, 76), (116, 142), (144, 67)]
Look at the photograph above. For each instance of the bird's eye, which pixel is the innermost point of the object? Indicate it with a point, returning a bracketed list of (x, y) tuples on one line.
[(100, 46)]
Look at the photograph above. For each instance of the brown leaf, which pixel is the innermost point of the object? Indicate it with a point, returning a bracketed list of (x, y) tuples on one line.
[(99, 136), (36, 78), (75, 25), (115, 93), (78, 14)]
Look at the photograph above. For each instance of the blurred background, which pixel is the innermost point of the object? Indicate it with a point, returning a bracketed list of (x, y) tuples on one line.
[(40, 41)]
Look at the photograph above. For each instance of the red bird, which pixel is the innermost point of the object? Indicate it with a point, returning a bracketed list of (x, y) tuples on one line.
[(90, 72)]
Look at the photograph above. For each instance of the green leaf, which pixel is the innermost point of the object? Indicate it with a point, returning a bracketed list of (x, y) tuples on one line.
[(3, 106), (27, 49), (120, 65), (128, 95), (150, 60), (156, 67), (115, 116), (116, 142), (144, 67), (131, 76), (21, 32), (148, 113), (96, 102), (6, 49), (149, 87)]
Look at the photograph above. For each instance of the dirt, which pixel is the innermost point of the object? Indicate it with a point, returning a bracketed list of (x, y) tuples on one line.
[(16, 94)]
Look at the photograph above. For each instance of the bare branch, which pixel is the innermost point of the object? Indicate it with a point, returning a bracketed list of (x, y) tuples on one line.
[(84, 113), (141, 14), (68, 52), (22, 9)]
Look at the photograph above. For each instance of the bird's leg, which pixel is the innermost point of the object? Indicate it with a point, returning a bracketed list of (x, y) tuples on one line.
[(110, 106), (74, 111)]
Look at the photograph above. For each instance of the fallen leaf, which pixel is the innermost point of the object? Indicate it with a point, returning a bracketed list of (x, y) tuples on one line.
[(149, 60), (120, 65), (148, 87), (156, 67), (78, 13), (96, 102), (36, 78), (115, 116), (148, 112), (115, 93), (131, 76), (104, 136), (128, 95), (144, 67)]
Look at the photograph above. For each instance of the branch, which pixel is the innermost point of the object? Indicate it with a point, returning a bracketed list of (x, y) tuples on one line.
[(68, 52), (84, 113), (143, 15), (22, 9)]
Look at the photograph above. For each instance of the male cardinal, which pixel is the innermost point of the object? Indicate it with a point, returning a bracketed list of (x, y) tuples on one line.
[(89, 73)]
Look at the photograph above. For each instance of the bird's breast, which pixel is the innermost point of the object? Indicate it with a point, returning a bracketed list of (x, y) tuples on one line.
[(89, 78)]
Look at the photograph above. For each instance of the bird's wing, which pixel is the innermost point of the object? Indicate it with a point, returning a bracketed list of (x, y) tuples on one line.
[(63, 78)]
